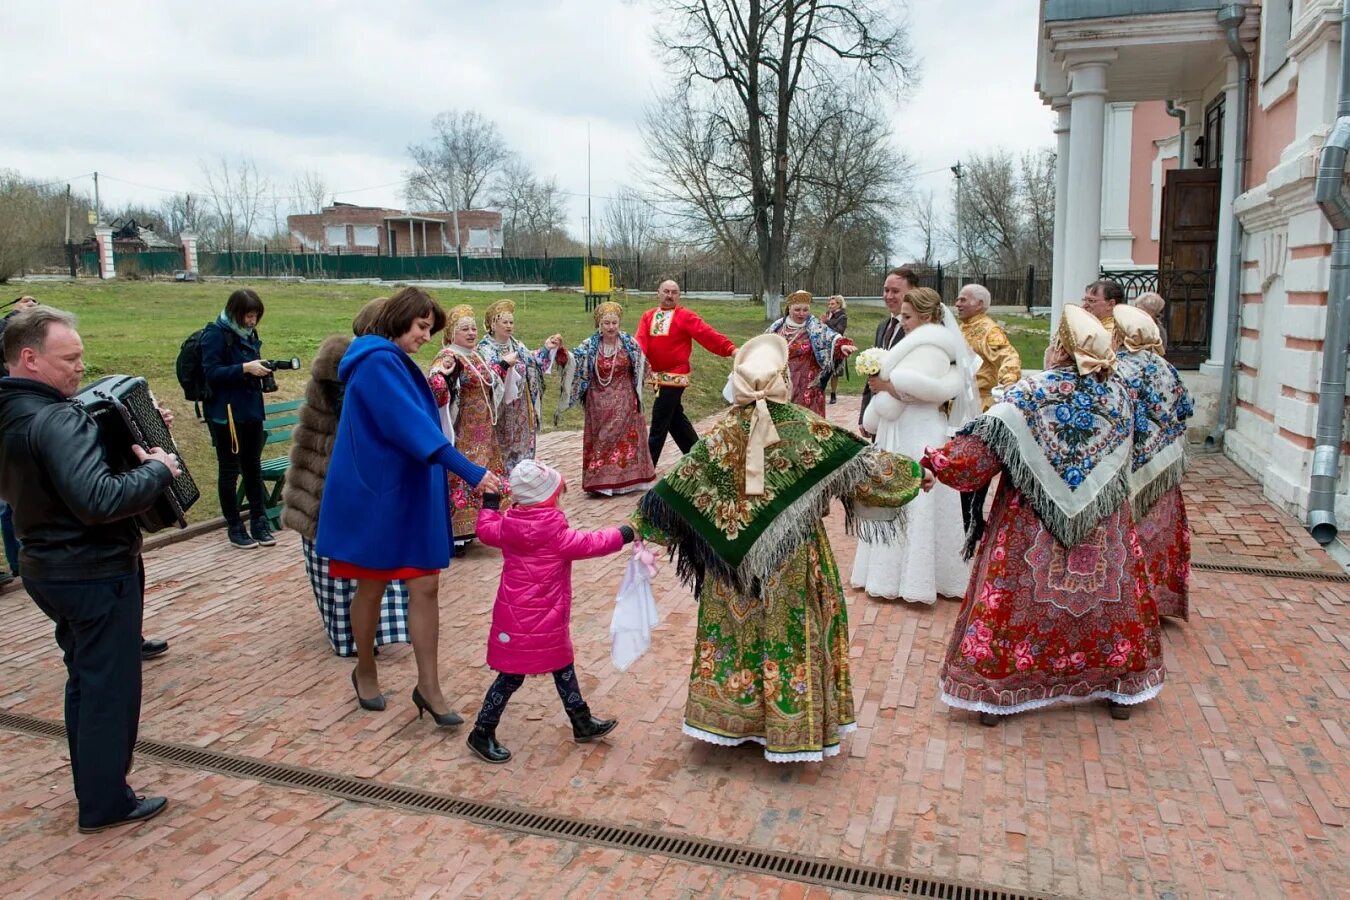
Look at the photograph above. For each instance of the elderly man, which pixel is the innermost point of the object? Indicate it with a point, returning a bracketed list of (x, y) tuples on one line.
[(666, 335), (81, 554), (890, 330), (1100, 298), (1000, 364)]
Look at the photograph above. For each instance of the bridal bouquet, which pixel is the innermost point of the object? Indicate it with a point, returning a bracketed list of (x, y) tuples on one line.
[(868, 362)]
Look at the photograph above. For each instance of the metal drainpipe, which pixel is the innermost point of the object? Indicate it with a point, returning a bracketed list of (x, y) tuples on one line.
[(1179, 114), (1334, 201), (1230, 18)]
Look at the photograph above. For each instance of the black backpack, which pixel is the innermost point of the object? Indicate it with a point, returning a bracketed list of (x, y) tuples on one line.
[(191, 375)]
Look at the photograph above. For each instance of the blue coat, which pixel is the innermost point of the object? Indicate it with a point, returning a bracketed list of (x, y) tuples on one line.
[(386, 503), (223, 356)]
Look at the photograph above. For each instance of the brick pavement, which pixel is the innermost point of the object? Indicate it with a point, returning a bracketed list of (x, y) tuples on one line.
[(1235, 782)]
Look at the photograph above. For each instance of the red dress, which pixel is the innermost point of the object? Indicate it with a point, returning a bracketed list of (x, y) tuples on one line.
[(1166, 536), (614, 453), (1042, 623)]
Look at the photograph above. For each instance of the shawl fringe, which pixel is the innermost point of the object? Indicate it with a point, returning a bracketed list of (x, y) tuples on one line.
[(1144, 496), (695, 559), (1069, 530)]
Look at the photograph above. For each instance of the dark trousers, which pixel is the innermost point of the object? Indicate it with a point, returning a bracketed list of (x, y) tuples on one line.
[(668, 418), (98, 627), (231, 465), (565, 680), (11, 542)]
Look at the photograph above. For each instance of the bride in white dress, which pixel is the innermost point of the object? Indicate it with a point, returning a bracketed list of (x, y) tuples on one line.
[(924, 392)]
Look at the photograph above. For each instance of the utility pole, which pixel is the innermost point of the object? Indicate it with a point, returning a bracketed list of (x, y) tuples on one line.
[(959, 173), (67, 215), (98, 206), (586, 280)]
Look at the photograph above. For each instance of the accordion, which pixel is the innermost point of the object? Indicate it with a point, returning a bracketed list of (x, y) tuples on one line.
[(125, 413)]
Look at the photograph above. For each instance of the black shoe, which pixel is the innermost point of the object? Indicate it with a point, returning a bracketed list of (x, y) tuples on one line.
[(239, 537), (1119, 711), (375, 704), (5, 578), (834, 399), (988, 719), (483, 742), (261, 533), (585, 728), (446, 720), (145, 808), (151, 649)]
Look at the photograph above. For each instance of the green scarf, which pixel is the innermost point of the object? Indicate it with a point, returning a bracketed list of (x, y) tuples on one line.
[(742, 539), (248, 334)]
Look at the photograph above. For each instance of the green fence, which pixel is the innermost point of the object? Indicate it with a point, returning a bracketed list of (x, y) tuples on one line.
[(564, 271)]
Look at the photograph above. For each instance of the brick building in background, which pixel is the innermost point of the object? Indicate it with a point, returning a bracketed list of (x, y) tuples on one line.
[(371, 230)]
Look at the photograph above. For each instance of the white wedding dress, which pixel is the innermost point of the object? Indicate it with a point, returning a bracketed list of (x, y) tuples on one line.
[(929, 366)]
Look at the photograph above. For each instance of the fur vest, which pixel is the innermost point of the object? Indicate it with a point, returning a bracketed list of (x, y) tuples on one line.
[(923, 366), (312, 440)]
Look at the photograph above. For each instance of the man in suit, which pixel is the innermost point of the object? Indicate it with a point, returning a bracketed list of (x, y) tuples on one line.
[(899, 281), (81, 553)]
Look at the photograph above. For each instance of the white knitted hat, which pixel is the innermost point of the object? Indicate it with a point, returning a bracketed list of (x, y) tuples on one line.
[(533, 482)]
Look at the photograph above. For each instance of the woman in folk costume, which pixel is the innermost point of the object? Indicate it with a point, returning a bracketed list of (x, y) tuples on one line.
[(605, 376), (522, 413), (1059, 607), (924, 392), (1161, 407), (743, 513), (468, 391), (814, 350)]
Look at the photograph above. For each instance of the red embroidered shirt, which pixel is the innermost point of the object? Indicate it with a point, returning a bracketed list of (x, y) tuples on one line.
[(666, 338)]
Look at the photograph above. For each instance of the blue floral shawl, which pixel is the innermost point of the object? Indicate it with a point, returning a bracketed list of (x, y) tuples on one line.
[(823, 340), (580, 369), (1161, 407)]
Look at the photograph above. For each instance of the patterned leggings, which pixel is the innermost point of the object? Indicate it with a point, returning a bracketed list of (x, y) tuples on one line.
[(565, 680)]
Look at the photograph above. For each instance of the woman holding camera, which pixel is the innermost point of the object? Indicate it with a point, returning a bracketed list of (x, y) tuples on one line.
[(232, 364)]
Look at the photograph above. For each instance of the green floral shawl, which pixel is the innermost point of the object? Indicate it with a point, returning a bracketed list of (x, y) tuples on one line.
[(711, 523)]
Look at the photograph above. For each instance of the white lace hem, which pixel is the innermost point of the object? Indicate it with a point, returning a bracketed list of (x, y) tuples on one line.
[(771, 755), (1143, 696)]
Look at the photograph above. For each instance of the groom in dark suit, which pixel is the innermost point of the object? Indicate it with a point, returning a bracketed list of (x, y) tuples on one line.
[(889, 330)]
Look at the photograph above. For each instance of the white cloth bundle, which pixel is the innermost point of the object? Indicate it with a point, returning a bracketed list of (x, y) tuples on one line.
[(635, 613)]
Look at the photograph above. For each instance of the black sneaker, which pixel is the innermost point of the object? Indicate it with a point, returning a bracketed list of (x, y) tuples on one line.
[(261, 533), (239, 537)]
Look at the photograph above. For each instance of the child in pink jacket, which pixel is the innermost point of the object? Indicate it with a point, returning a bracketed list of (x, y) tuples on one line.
[(532, 615)]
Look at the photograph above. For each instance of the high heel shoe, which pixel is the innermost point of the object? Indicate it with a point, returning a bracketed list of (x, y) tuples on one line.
[(375, 704), (448, 720)]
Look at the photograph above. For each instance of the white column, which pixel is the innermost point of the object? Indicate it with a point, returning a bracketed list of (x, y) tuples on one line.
[(1061, 198), (1223, 246), (189, 239), (1117, 241), (1190, 133), (1083, 225), (103, 236)]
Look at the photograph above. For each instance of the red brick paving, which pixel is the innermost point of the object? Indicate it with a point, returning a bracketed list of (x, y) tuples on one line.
[(1235, 782)]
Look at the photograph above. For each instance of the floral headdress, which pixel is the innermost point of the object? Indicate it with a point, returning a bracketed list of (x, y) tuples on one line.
[(457, 315), (608, 308), (498, 308), (798, 297)]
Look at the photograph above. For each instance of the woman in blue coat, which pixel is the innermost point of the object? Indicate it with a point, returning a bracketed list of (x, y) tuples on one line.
[(385, 514), (231, 351)]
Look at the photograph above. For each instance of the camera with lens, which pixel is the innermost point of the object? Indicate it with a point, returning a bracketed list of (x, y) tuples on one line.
[(269, 381)]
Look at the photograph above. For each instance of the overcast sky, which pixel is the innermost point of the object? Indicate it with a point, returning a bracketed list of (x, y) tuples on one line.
[(144, 92)]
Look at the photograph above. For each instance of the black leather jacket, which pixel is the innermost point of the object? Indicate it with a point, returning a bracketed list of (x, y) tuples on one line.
[(72, 513)]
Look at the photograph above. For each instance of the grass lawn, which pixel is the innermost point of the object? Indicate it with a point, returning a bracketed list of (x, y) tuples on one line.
[(136, 327)]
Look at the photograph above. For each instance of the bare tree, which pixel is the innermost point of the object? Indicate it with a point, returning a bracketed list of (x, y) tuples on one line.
[(186, 212), (627, 224), (1038, 191), (744, 69), (238, 195), (1007, 210), (534, 213), (451, 171), (33, 223), (310, 193), (926, 230)]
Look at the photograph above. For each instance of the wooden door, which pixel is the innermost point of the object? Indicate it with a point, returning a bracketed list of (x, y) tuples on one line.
[(1186, 262)]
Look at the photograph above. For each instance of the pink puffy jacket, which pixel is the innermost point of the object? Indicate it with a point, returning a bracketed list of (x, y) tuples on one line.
[(532, 615)]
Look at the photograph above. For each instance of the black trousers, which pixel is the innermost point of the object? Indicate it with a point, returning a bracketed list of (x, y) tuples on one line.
[(246, 463), (565, 680), (98, 627), (668, 418)]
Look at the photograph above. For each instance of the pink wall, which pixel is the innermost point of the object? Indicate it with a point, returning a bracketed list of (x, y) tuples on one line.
[(1270, 131), (1151, 123)]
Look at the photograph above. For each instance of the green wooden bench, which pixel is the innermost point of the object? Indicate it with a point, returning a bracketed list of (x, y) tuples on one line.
[(279, 421)]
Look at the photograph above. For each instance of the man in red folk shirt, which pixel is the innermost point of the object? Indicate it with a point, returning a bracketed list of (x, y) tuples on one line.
[(665, 335)]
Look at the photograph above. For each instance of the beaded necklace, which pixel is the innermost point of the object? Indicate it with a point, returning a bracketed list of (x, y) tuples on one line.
[(467, 357), (612, 355)]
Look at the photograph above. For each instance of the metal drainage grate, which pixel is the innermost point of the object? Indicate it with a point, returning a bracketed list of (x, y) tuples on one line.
[(1272, 572), (829, 873)]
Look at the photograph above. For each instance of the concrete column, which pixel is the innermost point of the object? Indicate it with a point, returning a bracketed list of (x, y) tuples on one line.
[(1083, 208), (1223, 247), (189, 239), (103, 236), (1117, 241), (1195, 126), (1061, 106)]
